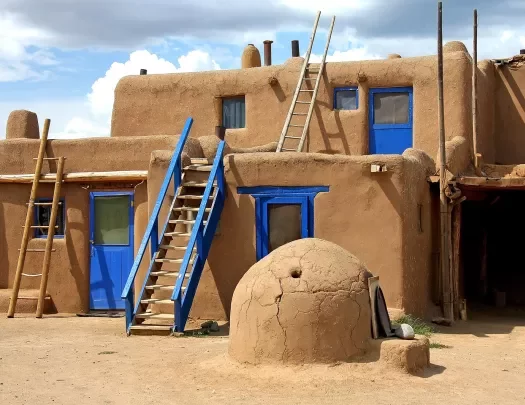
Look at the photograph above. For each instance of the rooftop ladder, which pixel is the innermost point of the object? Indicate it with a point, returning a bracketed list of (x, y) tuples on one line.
[(179, 255), (295, 142), (28, 228)]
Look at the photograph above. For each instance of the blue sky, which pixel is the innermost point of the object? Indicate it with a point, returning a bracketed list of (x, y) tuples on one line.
[(62, 58)]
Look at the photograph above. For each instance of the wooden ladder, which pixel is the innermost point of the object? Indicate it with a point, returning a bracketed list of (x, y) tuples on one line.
[(307, 66), (28, 228)]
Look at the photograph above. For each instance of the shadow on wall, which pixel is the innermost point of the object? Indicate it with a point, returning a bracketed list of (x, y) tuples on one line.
[(4, 261), (238, 234), (81, 280)]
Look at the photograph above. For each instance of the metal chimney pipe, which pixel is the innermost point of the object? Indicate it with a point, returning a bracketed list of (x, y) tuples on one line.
[(267, 52), (522, 51), (295, 48), (143, 72)]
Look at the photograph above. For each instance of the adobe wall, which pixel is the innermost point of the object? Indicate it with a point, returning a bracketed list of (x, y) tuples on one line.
[(144, 104), (510, 113), (486, 78), (372, 215)]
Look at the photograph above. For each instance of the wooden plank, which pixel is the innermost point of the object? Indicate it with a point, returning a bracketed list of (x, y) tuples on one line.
[(50, 237), (29, 220), (130, 175)]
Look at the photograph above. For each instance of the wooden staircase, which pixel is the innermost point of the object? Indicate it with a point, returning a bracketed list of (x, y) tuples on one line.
[(180, 253)]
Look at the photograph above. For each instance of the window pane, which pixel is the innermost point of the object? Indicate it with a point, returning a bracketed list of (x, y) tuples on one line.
[(234, 112), (43, 215), (391, 108), (346, 100), (284, 224), (112, 220)]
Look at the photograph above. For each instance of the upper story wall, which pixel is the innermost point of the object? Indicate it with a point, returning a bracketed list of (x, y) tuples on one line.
[(509, 130), (159, 104)]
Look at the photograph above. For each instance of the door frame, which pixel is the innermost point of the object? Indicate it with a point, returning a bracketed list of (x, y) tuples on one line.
[(371, 112), (131, 214)]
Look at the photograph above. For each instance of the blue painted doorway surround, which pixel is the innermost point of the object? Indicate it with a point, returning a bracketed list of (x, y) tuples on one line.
[(110, 247), (390, 118)]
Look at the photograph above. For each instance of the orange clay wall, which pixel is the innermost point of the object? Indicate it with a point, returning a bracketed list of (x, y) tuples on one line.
[(159, 104)]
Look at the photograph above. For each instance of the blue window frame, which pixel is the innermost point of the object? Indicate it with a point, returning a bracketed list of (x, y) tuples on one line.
[(346, 98), (234, 112), (297, 205), (42, 215)]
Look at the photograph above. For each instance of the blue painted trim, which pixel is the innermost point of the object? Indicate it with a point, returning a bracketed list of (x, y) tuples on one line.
[(265, 195), (278, 190), (337, 89), (174, 171), (35, 218), (202, 236)]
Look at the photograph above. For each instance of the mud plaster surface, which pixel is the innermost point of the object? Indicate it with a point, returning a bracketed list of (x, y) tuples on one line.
[(307, 301), (71, 360)]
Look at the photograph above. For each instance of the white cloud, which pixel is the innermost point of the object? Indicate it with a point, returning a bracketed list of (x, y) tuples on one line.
[(100, 99), (17, 62), (349, 55)]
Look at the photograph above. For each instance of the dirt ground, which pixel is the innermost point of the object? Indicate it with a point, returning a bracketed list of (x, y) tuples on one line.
[(73, 360)]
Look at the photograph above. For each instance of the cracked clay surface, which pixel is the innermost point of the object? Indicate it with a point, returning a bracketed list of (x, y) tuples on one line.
[(305, 302)]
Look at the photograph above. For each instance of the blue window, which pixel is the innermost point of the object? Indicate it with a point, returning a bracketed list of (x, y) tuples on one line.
[(43, 215), (234, 112), (345, 98), (282, 215)]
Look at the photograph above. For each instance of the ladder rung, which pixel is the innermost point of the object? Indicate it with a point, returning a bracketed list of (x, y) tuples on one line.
[(38, 250), (309, 91), (156, 301), (32, 275), (169, 247), (199, 168), (164, 273), (39, 226), (184, 221), (172, 234), (292, 137), (303, 102), (49, 158), (45, 203), (175, 261), (196, 184), (289, 150), (309, 78), (193, 209), (160, 287), (296, 125), (201, 161), (192, 197), (299, 113)]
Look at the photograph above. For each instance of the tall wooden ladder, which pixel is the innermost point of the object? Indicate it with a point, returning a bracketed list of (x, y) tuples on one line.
[(294, 142), (28, 228)]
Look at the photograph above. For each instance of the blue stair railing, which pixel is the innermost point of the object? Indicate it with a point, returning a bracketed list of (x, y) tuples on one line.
[(202, 236), (151, 236)]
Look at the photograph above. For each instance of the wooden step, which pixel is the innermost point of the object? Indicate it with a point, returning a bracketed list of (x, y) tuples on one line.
[(201, 161), (196, 184), (199, 168), (192, 209), (174, 234), (185, 221), (156, 301), (192, 197), (169, 247), (45, 203), (161, 287), (292, 137), (288, 150), (155, 315), (174, 261), (164, 273)]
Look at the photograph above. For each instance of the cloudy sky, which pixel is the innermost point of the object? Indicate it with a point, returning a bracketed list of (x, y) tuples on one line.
[(63, 58)]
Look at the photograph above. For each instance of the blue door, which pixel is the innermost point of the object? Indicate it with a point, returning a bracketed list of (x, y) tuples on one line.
[(111, 247), (390, 120), (283, 220)]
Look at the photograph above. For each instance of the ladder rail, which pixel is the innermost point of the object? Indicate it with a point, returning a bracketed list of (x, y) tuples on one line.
[(299, 85), (29, 219), (316, 88), (50, 237)]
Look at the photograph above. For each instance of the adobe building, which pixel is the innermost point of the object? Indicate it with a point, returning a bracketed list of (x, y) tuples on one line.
[(366, 179)]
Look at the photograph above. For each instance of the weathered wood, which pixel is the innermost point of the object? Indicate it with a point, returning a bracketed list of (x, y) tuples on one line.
[(444, 206), (29, 220), (455, 259), (131, 175), (50, 236), (475, 87)]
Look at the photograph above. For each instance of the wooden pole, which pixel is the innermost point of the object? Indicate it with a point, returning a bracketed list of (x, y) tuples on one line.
[(131, 175), (444, 209), (49, 241), (29, 220), (475, 87)]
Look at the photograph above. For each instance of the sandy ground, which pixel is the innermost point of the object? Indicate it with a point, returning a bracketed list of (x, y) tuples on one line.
[(72, 360)]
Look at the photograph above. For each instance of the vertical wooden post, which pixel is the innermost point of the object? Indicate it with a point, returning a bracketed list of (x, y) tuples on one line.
[(475, 88), (444, 208), (29, 220), (50, 236)]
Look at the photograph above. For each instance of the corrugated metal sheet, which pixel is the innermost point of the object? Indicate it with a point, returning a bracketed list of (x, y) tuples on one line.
[(234, 112)]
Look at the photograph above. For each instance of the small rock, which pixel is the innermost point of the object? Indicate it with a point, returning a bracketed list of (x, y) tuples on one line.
[(405, 331), (206, 325), (214, 327)]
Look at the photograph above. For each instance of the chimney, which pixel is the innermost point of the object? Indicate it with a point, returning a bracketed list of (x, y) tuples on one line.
[(295, 48), (522, 51), (143, 72), (267, 52)]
